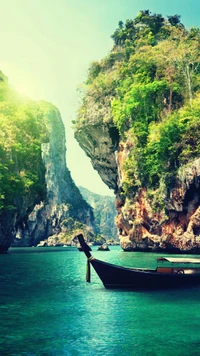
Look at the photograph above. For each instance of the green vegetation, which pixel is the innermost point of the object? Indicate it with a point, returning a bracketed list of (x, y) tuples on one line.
[(72, 227), (149, 88), (22, 131)]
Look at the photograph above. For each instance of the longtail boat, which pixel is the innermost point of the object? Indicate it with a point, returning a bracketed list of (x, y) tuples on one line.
[(171, 272)]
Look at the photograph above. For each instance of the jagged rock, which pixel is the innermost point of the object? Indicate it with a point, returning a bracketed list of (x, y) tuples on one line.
[(103, 247), (112, 242), (7, 221), (127, 244), (63, 197), (42, 244), (141, 228), (179, 232), (104, 213), (100, 144)]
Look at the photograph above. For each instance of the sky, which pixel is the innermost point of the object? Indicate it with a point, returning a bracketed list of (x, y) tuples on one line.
[(47, 47)]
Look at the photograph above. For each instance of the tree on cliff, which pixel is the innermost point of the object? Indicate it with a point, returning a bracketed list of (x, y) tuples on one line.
[(22, 130)]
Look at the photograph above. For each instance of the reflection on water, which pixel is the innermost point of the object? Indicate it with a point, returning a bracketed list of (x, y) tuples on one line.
[(47, 308)]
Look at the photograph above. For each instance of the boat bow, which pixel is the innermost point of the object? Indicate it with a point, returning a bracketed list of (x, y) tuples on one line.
[(86, 249)]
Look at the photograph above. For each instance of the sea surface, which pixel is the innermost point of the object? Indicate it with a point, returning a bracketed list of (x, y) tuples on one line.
[(47, 308)]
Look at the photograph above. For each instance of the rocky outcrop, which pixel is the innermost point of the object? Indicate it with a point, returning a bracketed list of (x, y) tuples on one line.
[(103, 247), (37, 194), (142, 90), (173, 226), (7, 221), (100, 143), (63, 197), (104, 213), (176, 228)]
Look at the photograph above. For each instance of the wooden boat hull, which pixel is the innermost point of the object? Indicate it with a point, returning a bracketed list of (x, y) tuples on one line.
[(113, 276)]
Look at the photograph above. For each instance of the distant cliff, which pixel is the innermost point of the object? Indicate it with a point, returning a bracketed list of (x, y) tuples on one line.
[(139, 122), (104, 213), (63, 203), (37, 193)]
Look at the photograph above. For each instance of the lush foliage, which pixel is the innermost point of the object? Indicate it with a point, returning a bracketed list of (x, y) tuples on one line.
[(148, 87), (22, 130), (71, 228)]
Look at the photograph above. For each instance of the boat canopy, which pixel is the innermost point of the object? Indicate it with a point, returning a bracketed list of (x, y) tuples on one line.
[(179, 260)]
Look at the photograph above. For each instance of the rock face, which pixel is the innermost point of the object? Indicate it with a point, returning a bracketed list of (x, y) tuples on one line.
[(22, 180), (103, 247), (175, 229), (141, 227), (145, 91), (7, 220), (63, 197), (100, 143), (104, 213)]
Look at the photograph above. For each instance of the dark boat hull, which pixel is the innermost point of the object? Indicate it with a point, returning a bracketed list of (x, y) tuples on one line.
[(114, 276)]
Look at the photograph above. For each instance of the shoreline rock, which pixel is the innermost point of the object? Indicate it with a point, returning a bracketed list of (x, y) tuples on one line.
[(103, 247)]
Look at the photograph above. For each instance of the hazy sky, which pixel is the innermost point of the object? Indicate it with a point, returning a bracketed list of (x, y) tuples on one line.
[(48, 45)]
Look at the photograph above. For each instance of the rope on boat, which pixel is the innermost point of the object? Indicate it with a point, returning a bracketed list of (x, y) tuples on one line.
[(88, 273)]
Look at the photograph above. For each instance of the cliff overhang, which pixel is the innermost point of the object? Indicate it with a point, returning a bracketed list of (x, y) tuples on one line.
[(174, 227)]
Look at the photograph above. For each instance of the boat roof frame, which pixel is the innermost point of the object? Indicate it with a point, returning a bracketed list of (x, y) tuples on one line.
[(179, 260)]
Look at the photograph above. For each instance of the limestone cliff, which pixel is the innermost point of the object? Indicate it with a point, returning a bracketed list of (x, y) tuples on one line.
[(175, 228), (139, 122), (104, 213), (63, 200), (38, 197), (100, 143)]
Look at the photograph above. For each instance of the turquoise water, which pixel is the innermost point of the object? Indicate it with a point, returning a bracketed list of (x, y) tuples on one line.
[(47, 308)]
